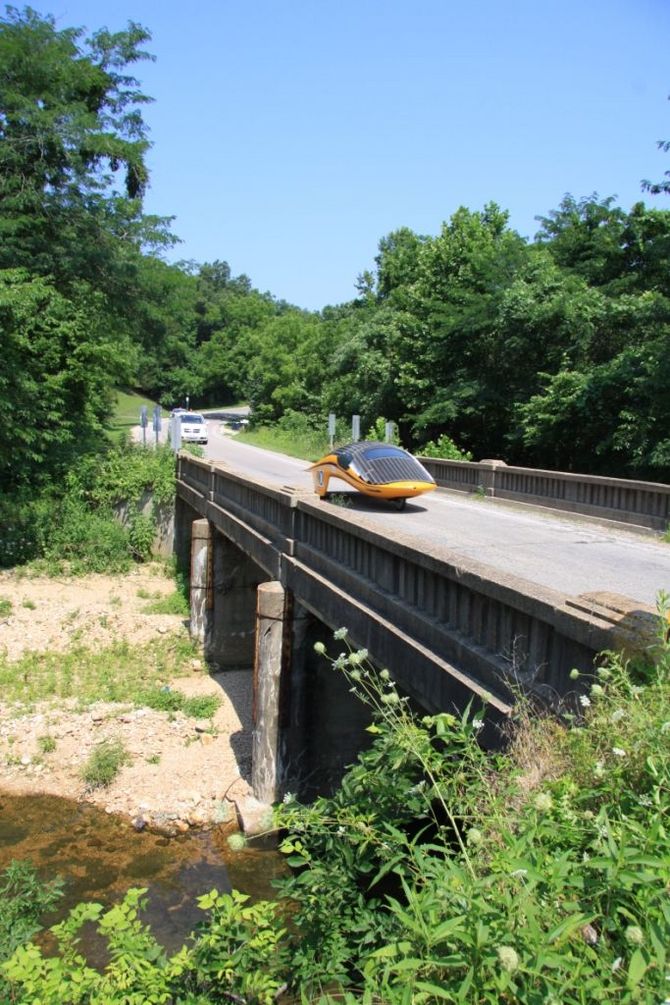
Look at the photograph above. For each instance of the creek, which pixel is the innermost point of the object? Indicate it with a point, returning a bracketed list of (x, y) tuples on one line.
[(100, 856)]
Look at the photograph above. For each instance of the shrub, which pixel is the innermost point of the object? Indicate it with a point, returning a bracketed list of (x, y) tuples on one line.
[(24, 899), (434, 873), (445, 448)]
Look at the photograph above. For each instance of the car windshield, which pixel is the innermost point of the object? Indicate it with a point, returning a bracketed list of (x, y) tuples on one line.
[(190, 418), (380, 463)]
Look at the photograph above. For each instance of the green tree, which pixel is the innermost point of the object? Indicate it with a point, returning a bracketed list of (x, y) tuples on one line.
[(72, 152), (57, 367), (447, 373)]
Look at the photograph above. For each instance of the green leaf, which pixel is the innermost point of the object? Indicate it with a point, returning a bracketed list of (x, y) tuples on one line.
[(636, 968)]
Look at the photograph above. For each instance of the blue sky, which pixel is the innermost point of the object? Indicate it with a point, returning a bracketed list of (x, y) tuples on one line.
[(289, 137)]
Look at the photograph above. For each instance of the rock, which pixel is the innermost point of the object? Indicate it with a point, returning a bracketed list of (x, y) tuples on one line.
[(138, 823), (181, 826), (206, 738), (254, 817), (196, 664), (26, 760)]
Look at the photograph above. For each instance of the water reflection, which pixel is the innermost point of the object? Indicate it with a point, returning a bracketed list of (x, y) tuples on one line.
[(100, 856)]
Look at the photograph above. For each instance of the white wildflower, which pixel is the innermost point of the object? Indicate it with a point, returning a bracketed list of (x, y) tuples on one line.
[(319, 648), (618, 752), (384, 675), (634, 935), (477, 724), (288, 798), (617, 715), (543, 802), (340, 634), (597, 690), (389, 699), (584, 701), (508, 957), (474, 836), (574, 674)]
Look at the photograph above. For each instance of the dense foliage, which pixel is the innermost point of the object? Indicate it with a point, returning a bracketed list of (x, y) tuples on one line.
[(436, 873), (105, 513)]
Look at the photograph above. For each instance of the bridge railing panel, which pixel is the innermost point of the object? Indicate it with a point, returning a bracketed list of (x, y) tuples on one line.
[(635, 502)]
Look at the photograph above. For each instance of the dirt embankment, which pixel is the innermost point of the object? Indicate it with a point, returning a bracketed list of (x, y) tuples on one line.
[(181, 771)]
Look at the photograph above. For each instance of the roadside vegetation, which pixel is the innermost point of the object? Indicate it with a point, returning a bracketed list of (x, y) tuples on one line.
[(437, 872)]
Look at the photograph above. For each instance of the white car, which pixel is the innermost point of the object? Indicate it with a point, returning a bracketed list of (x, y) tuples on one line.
[(193, 427)]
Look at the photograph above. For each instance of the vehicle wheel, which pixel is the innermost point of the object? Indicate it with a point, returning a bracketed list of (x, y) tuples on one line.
[(400, 504)]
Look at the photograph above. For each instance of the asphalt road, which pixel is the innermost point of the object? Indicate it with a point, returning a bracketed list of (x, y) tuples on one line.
[(554, 550)]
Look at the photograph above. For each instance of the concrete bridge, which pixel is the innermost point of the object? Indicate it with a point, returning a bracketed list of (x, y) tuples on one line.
[(273, 570)]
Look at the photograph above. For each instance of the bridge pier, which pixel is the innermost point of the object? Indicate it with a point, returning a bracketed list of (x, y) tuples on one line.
[(201, 580)]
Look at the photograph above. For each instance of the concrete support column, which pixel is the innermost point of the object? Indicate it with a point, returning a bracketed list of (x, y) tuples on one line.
[(270, 657), (201, 579)]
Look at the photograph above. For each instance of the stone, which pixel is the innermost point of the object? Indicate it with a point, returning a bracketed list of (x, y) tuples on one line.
[(254, 817)]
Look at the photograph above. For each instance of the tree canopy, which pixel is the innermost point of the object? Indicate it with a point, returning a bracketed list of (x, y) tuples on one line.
[(550, 352)]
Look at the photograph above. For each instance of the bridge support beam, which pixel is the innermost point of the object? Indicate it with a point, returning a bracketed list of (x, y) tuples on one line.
[(201, 580)]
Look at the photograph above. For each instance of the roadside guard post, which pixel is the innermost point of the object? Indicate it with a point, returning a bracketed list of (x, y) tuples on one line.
[(144, 423), (157, 423), (355, 428), (331, 428), (175, 433)]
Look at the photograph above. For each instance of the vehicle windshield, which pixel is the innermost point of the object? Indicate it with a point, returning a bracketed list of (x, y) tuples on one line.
[(190, 417), (381, 463)]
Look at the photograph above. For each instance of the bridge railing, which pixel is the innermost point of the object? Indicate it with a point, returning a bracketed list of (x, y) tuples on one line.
[(645, 504)]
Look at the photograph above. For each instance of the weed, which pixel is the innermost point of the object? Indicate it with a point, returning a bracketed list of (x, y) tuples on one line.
[(340, 499), (202, 706), (154, 759), (104, 763), (119, 672), (171, 603), (29, 604), (46, 743), (164, 699), (115, 601), (6, 607)]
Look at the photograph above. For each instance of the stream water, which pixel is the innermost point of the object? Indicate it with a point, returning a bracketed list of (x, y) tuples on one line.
[(100, 856)]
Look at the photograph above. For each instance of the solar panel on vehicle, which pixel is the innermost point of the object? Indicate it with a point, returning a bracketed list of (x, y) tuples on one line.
[(380, 463)]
